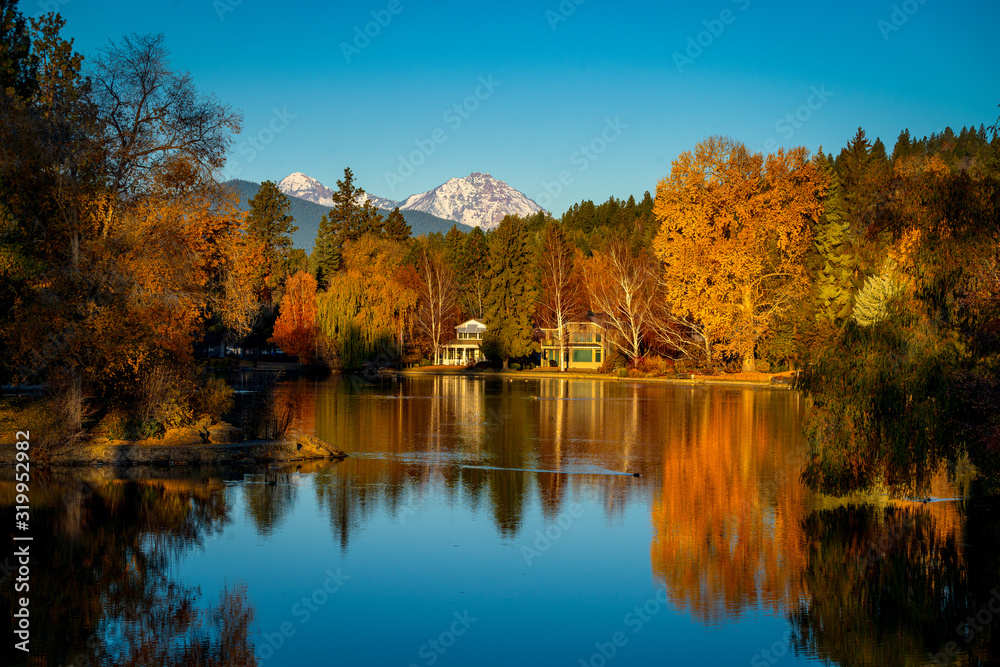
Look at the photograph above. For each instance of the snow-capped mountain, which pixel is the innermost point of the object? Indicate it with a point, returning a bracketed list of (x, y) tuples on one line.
[(478, 200), (308, 188)]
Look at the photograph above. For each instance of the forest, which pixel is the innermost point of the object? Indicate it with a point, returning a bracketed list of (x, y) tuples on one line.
[(123, 261)]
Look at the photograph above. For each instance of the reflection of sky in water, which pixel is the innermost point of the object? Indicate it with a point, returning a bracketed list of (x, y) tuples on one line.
[(412, 519), (411, 569), (475, 498)]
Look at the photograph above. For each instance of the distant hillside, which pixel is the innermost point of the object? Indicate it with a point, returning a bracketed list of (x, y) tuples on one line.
[(308, 214)]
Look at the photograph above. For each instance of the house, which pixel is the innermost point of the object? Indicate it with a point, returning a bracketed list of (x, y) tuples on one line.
[(585, 345), (464, 350)]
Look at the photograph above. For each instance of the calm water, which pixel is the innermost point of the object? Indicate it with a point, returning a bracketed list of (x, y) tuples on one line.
[(496, 522)]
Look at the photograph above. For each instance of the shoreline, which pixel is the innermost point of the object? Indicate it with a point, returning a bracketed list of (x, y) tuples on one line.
[(695, 379), (294, 447)]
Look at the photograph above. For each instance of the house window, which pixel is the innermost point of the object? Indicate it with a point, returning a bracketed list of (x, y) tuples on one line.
[(597, 356), (583, 356)]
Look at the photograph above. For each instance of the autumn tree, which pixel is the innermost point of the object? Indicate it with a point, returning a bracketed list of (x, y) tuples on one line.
[(366, 310), (561, 298), (437, 308), (511, 295), (623, 286), (735, 227), (296, 329), (153, 114)]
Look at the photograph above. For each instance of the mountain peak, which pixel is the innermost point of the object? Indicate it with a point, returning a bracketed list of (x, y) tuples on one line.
[(477, 200)]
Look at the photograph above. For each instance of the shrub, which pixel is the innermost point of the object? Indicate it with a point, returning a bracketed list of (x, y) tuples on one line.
[(652, 365), (115, 426), (148, 428), (215, 398), (515, 366)]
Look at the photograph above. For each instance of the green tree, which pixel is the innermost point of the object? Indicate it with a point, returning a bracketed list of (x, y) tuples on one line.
[(17, 63), (453, 247), (834, 273), (396, 227), (353, 220), (473, 270), (326, 255), (511, 296), (270, 223)]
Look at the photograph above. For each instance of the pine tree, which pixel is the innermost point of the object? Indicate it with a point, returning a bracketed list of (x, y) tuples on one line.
[(453, 243), (473, 269), (354, 220), (270, 223), (326, 254), (396, 227), (511, 296)]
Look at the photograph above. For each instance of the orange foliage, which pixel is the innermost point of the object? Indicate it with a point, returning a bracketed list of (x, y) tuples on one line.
[(296, 328), (735, 227), (729, 516)]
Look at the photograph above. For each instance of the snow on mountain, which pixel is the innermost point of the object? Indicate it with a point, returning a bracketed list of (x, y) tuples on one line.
[(478, 200), (308, 188)]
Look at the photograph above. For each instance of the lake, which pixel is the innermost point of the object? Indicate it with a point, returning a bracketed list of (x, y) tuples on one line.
[(501, 522)]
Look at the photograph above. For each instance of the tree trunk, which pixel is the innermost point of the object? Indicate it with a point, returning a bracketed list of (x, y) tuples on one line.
[(562, 343), (749, 363), (506, 361)]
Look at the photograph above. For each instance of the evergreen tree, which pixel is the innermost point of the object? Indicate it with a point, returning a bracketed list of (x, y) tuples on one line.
[(453, 243), (396, 227), (511, 296), (834, 275), (473, 270), (326, 254), (354, 220), (18, 66), (270, 223)]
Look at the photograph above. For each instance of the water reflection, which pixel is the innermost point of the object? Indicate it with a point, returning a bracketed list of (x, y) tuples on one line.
[(102, 591), (717, 517)]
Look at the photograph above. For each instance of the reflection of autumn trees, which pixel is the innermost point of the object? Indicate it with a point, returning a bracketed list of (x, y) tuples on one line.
[(728, 516), (463, 431), (892, 586), (102, 589)]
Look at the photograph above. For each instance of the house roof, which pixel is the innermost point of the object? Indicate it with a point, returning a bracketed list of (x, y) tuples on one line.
[(470, 326)]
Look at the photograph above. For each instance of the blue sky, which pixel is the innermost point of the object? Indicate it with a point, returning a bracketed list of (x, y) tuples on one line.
[(564, 101)]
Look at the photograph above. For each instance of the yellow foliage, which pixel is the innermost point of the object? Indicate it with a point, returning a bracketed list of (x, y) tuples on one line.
[(735, 227)]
